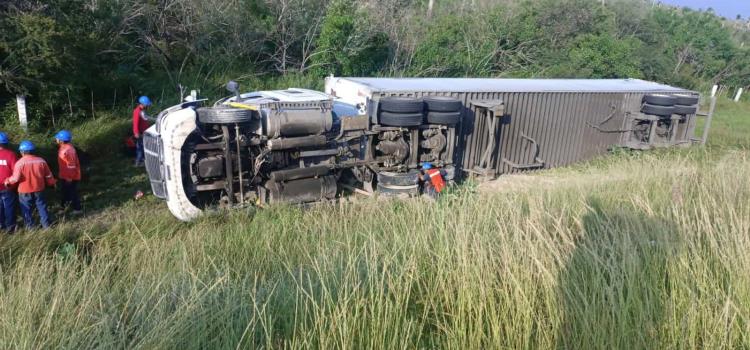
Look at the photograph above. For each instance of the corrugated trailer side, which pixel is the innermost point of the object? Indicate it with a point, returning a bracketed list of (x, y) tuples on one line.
[(537, 123), (544, 128)]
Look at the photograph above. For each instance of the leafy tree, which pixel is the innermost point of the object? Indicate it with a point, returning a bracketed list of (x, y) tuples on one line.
[(31, 52), (346, 46), (83, 51), (686, 47), (602, 56), (446, 50)]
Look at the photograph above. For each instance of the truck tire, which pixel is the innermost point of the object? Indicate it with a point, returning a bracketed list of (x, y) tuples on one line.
[(442, 104), (686, 100), (387, 178), (400, 119), (660, 100), (664, 111), (224, 115), (443, 117), (401, 105), (685, 110), (398, 191)]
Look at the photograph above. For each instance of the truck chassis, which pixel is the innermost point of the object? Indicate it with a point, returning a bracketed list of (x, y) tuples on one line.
[(372, 135)]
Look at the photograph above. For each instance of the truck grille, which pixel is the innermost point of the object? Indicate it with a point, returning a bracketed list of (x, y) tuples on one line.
[(152, 148)]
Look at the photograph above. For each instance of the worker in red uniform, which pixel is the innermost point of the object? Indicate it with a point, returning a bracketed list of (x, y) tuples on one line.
[(69, 170), (433, 180), (32, 174), (140, 124), (7, 194)]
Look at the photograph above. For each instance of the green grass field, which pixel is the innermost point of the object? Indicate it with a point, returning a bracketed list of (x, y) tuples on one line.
[(633, 250)]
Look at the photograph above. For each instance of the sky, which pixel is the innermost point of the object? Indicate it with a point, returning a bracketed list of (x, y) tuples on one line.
[(727, 8)]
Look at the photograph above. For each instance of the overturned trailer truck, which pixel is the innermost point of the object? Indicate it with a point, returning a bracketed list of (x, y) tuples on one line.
[(372, 135)]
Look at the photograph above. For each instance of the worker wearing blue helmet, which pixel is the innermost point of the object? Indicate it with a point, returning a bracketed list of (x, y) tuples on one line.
[(69, 171), (432, 180), (32, 175), (140, 124), (8, 161)]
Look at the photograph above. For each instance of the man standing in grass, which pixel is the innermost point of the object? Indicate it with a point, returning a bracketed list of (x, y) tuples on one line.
[(140, 124), (31, 173), (7, 194), (69, 170)]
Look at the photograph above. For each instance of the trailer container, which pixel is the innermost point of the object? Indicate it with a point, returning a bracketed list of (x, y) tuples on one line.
[(512, 125)]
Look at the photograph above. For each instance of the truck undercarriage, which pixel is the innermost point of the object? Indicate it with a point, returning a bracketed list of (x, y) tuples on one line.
[(261, 150), (300, 146)]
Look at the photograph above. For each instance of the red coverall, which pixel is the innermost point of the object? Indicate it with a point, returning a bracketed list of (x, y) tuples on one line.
[(70, 174), (140, 124), (436, 179), (7, 194), (32, 174)]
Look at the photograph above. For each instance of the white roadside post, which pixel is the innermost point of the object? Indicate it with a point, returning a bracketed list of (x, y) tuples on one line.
[(713, 90), (22, 119), (739, 94)]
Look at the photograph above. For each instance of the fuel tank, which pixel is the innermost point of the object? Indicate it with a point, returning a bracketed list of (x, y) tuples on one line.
[(302, 191), (298, 119)]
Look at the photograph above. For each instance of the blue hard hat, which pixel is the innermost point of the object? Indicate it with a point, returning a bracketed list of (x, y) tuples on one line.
[(3, 138), (144, 100), (426, 166), (26, 146), (64, 135)]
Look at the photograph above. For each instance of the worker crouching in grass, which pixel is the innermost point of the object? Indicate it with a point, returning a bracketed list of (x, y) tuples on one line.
[(69, 171), (7, 193), (32, 174), (433, 180)]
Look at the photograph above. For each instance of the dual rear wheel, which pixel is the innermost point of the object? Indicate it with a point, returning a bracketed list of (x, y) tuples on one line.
[(407, 111), (664, 105)]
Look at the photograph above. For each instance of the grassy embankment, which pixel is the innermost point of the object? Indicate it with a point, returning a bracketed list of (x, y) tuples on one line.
[(634, 250)]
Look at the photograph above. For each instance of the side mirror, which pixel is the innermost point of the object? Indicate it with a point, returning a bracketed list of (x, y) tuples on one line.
[(233, 86)]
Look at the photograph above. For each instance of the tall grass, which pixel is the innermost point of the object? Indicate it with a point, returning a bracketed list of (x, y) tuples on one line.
[(635, 250), (654, 258)]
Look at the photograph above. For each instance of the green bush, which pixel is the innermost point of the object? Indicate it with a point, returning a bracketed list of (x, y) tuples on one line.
[(346, 46), (602, 56)]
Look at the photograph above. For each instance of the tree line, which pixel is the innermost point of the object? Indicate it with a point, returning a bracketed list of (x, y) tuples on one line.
[(66, 53)]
